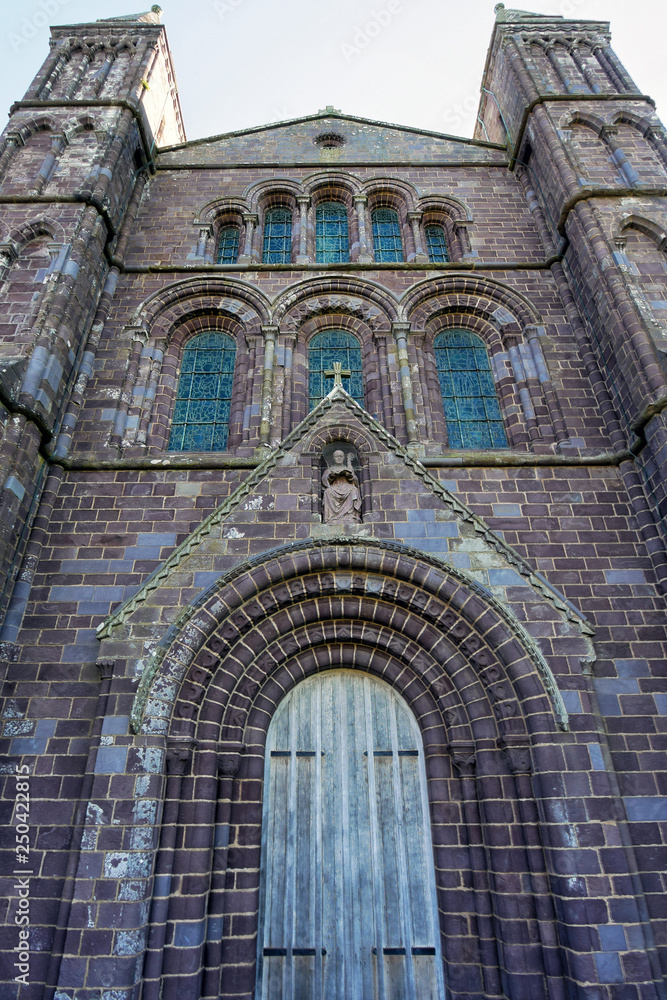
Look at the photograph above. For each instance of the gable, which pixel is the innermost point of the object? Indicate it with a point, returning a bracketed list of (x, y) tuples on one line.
[(364, 142), (279, 504)]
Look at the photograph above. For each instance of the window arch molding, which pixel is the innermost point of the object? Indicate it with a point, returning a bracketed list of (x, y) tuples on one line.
[(171, 369), (382, 198), (476, 418), (454, 218), (271, 203), (370, 374), (332, 189)]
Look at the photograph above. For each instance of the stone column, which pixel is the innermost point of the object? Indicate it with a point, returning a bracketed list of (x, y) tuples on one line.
[(205, 233), (58, 144), (566, 83), (270, 335), (366, 255), (14, 141), (103, 74), (582, 67), (51, 72), (415, 219), (250, 221), (608, 133), (179, 762), (303, 256), (8, 255), (463, 238), (611, 60), (400, 332)]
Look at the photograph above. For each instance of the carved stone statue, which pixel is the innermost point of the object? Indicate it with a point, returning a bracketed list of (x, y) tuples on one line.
[(342, 498)]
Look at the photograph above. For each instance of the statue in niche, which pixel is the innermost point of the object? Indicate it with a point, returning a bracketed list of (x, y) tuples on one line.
[(342, 496)]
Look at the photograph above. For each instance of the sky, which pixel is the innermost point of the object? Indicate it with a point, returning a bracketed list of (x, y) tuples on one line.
[(241, 63)]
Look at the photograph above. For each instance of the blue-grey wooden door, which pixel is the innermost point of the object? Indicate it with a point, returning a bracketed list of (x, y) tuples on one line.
[(347, 906)]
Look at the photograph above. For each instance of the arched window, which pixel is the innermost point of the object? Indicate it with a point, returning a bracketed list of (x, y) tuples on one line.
[(277, 237), (228, 245), (333, 245), (323, 350), (201, 412), (386, 235), (436, 245), (468, 392)]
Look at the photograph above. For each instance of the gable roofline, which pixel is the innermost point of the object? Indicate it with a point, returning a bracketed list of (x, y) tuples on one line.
[(459, 509), (328, 115)]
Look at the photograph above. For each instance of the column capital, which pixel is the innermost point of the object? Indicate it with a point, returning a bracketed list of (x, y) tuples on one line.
[(137, 334), (229, 758), (400, 329), (8, 252), (607, 130), (360, 199), (415, 216), (105, 668), (463, 758), (250, 217), (517, 754), (270, 331), (15, 138), (460, 224), (179, 754), (303, 199)]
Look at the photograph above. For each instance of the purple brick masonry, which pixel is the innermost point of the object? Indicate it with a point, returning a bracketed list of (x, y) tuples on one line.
[(158, 605)]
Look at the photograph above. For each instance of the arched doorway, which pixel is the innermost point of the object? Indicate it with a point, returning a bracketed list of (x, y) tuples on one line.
[(348, 904)]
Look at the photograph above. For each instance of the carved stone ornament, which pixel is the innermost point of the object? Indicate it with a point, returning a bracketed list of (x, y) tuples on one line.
[(463, 759), (179, 756), (229, 758), (517, 755), (341, 502)]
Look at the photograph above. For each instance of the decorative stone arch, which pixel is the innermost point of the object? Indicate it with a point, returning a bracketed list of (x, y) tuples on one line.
[(325, 184), (211, 219), (477, 685), (656, 231), (161, 310), (261, 194), (28, 231), (369, 300), (596, 123), (401, 197), (456, 218), (161, 325), (511, 327)]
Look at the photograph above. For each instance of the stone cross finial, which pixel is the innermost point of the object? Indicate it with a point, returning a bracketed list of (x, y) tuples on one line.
[(337, 372)]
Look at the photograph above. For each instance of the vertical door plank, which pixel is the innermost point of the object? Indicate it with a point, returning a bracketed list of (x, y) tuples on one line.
[(348, 887)]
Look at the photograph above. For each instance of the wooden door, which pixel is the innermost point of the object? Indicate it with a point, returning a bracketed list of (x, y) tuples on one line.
[(348, 908)]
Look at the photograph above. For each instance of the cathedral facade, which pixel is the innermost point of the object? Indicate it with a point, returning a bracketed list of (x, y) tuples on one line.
[(334, 560)]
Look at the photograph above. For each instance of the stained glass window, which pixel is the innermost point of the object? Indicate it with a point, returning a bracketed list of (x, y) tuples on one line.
[(228, 245), (277, 237), (468, 392), (333, 245), (386, 235), (324, 349), (436, 245), (203, 399)]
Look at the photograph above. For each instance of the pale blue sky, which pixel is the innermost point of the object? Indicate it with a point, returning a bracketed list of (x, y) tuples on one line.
[(241, 63)]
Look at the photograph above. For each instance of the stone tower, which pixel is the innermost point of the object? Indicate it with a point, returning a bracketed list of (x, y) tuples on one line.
[(332, 534)]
